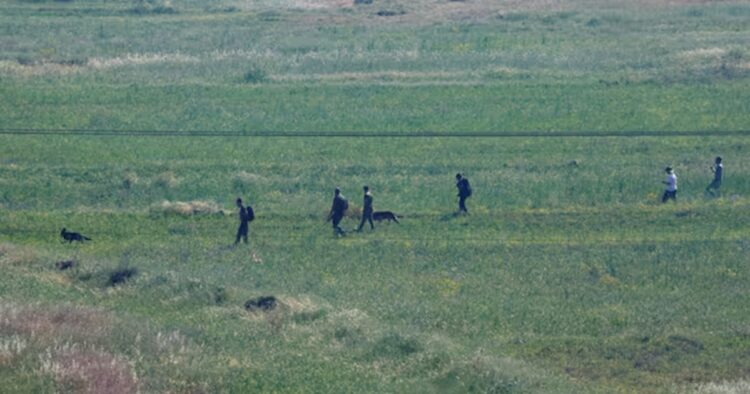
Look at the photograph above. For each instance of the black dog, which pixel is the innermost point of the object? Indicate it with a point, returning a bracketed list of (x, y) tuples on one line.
[(71, 236), (385, 215)]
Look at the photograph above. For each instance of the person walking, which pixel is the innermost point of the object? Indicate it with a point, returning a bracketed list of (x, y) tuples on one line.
[(464, 192), (718, 170), (338, 209), (246, 216), (366, 210), (670, 192)]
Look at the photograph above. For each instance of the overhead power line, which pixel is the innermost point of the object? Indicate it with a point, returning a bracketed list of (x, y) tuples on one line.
[(366, 134)]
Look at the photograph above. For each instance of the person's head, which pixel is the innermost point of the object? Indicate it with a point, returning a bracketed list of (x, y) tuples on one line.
[(458, 176), (239, 202), (718, 160), (337, 191), (366, 188), (668, 170)]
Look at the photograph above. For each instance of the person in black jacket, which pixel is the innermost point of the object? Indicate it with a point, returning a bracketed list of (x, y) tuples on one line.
[(464, 192), (338, 209), (246, 215), (718, 170), (366, 210)]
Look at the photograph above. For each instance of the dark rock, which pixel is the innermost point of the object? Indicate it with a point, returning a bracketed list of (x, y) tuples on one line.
[(121, 276), (265, 303), (66, 264)]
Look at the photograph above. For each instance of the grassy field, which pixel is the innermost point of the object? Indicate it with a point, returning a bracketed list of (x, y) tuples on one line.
[(567, 276)]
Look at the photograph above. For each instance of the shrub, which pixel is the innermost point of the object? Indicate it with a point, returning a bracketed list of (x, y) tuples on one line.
[(394, 345), (121, 276), (255, 74)]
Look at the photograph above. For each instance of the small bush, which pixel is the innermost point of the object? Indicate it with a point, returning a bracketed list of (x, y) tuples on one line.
[(394, 345), (25, 60), (221, 296), (129, 180), (167, 180), (64, 265), (308, 317), (121, 276), (390, 12), (593, 22), (265, 303), (255, 74)]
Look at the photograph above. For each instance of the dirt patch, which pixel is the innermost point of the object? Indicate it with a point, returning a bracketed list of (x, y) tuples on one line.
[(188, 208), (11, 254), (89, 371), (317, 4), (139, 59), (726, 387), (64, 321)]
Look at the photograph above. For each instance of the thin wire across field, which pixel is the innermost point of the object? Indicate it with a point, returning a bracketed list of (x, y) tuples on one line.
[(368, 134)]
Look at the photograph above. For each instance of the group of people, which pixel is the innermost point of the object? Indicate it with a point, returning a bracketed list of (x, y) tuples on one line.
[(341, 205), (713, 189)]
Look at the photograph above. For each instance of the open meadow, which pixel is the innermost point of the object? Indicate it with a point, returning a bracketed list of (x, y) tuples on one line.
[(138, 123)]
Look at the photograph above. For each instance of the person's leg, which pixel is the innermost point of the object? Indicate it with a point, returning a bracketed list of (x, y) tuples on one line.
[(336, 229), (362, 222), (665, 197), (462, 204), (239, 235), (369, 218), (713, 189)]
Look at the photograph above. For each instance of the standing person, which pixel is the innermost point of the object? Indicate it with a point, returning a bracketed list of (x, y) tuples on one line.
[(464, 192), (246, 215), (718, 170), (366, 210), (670, 191), (338, 209)]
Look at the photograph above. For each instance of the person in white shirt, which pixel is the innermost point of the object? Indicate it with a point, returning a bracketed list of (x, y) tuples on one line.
[(670, 191)]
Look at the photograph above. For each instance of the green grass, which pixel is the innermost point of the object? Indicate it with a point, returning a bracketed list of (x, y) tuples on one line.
[(568, 276)]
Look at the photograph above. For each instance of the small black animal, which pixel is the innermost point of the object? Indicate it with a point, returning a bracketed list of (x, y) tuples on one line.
[(385, 215), (71, 236), (265, 303)]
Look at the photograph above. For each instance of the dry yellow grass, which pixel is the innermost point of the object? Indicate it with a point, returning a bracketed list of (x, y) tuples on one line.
[(187, 208), (11, 254)]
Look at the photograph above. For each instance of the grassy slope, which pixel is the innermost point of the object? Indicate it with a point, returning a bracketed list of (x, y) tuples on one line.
[(565, 278)]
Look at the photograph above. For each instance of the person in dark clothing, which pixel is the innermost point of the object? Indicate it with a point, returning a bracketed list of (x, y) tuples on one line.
[(246, 216), (718, 170), (366, 210), (464, 192), (338, 209)]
